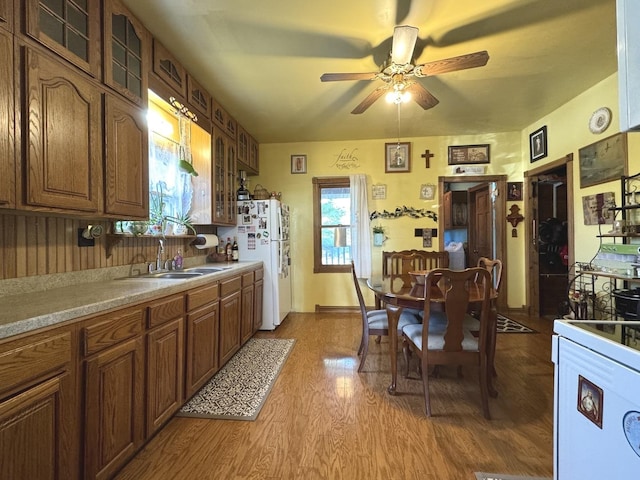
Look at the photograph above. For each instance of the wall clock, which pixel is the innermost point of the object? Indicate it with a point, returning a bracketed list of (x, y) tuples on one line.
[(600, 120)]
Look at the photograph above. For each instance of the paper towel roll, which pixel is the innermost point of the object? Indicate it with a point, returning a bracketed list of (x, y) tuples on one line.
[(205, 240)]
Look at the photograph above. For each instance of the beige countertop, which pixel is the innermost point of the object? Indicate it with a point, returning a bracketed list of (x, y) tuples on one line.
[(31, 304)]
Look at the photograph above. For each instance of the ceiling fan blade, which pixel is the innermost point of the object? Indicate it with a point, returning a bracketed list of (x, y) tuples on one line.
[(422, 96), (368, 101), (404, 40), (471, 60), (336, 77)]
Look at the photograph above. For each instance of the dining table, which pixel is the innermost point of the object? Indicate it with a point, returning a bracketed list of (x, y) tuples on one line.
[(396, 296)]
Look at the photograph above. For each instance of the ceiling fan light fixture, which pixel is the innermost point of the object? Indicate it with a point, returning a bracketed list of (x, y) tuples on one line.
[(397, 97), (404, 40)]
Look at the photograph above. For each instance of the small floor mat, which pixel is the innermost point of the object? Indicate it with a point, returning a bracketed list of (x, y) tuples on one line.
[(240, 388), (498, 476), (506, 325)]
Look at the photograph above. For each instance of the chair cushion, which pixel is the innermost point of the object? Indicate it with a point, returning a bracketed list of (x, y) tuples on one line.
[(378, 319), (437, 330)]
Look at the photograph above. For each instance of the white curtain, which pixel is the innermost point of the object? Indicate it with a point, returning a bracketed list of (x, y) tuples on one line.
[(360, 226)]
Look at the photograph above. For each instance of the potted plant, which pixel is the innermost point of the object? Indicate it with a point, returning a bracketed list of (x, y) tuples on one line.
[(182, 224), (378, 235)]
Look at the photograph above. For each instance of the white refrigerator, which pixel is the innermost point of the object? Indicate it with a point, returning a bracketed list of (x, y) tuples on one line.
[(263, 234), (597, 400)]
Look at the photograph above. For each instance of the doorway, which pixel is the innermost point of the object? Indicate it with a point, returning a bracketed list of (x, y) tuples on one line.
[(483, 227), (549, 233)]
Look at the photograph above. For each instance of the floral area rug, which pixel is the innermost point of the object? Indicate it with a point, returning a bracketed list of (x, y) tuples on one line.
[(240, 388)]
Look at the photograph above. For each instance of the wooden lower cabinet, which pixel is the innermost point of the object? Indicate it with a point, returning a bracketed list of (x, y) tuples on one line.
[(114, 390), (202, 346), (258, 299), (247, 309), (165, 367), (230, 310), (39, 430)]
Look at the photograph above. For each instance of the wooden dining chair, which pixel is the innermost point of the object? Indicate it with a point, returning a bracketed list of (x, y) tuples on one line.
[(375, 322), (444, 338), (494, 267), (399, 264)]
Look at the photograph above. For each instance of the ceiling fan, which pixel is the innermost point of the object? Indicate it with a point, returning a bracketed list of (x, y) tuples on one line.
[(399, 71)]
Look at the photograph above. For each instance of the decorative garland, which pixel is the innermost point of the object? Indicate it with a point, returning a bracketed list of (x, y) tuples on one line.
[(400, 212)]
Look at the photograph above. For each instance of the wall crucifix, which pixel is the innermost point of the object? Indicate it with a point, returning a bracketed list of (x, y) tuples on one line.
[(426, 155)]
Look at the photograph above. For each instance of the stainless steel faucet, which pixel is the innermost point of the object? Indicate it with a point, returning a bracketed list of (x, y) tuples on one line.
[(159, 261)]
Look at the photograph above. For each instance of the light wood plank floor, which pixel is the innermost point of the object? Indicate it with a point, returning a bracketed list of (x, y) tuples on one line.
[(323, 420)]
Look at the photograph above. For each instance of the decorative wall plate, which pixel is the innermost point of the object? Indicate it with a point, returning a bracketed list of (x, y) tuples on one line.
[(600, 120)]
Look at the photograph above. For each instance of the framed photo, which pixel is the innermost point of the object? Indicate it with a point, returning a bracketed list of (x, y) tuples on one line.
[(590, 400), (514, 191), (465, 154), (397, 157), (604, 160), (595, 208), (298, 164), (538, 144), (427, 191), (379, 192)]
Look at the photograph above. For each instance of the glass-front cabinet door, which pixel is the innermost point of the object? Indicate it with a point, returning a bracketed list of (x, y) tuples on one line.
[(127, 53), (71, 28)]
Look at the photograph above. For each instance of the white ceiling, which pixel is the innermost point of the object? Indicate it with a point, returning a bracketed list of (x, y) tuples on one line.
[(262, 60)]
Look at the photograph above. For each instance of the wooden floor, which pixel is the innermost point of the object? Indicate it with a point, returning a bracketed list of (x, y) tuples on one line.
[(323, 420)]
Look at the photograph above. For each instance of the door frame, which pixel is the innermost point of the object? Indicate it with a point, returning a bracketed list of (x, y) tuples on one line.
[(500, 228), (532, 266)]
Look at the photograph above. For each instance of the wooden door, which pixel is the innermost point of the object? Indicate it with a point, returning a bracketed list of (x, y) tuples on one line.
[(481, 235), (202, 346), (7, 130), (114, 416), (63, 159), (126, 160), (165, 364)]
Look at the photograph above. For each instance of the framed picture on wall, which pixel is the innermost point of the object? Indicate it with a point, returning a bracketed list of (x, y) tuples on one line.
[(538, 144), (397, 157), (603, 161), (298, 164), (464, 154)]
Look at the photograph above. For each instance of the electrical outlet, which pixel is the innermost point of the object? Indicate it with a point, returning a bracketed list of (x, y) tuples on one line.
[(85, 242)]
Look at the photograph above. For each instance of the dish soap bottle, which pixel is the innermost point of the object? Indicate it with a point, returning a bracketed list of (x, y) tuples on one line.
[(177, 260)]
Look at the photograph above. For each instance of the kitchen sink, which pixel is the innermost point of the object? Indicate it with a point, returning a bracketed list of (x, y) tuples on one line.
[(206, 270), (175, 275)]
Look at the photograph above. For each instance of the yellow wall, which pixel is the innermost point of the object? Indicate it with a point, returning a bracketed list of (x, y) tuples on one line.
[(567, 131), (367, 156)]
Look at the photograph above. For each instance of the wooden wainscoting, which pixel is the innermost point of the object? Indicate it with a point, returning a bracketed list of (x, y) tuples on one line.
[(38, 245)]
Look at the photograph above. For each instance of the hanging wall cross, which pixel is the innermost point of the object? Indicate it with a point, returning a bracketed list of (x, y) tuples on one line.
[(426, 155)]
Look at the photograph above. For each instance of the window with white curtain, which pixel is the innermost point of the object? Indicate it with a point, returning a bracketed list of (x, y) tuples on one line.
[(332, 224)]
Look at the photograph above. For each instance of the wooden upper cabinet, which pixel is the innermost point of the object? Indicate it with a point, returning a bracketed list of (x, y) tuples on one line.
[(6, 14), (126, 160), (127, 53), (199, 98), (167, 67), (254, 163), (7, 139), (224, 174), (222, 119), (71, 28), (62, 116)]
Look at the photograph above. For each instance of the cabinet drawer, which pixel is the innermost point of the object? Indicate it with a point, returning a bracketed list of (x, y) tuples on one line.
[(113, 329), (23, 361), (259, 274), (201, 296), (230, 286), (247, 279), (165, 310)]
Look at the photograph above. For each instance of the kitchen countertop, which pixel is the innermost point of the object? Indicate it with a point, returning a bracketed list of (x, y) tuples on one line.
[(30, 310)]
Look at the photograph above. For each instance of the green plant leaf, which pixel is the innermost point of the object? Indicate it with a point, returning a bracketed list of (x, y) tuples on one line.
[(187, 168)]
